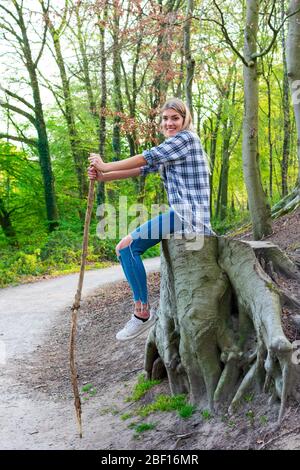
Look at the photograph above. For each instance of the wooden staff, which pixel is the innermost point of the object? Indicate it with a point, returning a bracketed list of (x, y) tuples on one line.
[(76, 305)]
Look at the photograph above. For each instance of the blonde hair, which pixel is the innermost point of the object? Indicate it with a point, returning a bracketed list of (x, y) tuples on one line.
[(181, 108)]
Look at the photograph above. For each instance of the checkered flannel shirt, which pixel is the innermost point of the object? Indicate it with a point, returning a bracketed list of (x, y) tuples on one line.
[(183, 166)]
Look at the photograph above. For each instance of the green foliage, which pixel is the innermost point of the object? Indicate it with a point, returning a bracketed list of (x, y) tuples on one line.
[(142, 387), (206, 415), (263, 420), (126, 416), (232, 221), (250, 415), (57, 253), (168, 403), (88, 391), (248, 398), (140, 428), (186, 411)]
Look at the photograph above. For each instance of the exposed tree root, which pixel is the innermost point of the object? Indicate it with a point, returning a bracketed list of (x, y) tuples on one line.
[(219, 329)]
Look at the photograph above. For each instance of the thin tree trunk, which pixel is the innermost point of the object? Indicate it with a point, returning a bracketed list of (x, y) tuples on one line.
[(7, 226), (222, 200), (85, 64), (117, 94), (189, 60), (164, 54), (223, 182), (213, 149), (293, 67), (259, 210), (77, 151), (43, 144), (286, 113), (103, 101), (270, 139)]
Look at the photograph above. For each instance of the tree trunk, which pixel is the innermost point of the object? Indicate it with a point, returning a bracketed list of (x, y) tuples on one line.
[(267, 77), (78, 153), (222, 201), (286, 113), (7, 226), (43, 144), (259, 210), (219, 331), (189, 61), (213, 149), (160, 84), (293, 66), (85, 64), (117, 94), (103, 102)]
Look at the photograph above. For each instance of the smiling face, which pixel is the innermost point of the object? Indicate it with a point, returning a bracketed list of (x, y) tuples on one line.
[(171, 123)]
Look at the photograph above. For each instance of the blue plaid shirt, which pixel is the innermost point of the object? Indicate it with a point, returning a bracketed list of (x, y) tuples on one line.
[(182, 164)]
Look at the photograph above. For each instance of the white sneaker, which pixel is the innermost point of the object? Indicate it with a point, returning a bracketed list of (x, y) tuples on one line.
[(134, 327)]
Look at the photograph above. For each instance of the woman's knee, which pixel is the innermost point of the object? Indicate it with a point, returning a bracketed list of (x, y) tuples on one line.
[(126, 241)]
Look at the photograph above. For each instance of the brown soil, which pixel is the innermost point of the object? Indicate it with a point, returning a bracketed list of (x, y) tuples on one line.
[(112, 368)]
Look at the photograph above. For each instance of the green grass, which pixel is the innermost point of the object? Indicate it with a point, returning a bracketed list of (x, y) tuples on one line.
[(126, 416), (140, 428), (248, 398), (186, 411), (263, 420), (206, 415), (165, 403), (88, 391), (250, 415), (141, 388)]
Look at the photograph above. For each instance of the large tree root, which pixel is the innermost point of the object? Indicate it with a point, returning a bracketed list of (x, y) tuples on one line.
[(219, 329)]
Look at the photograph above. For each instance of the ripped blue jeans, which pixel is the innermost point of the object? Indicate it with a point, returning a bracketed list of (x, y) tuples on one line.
[(145, 236)]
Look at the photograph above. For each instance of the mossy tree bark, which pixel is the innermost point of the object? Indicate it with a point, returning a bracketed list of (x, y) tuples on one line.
[(219, 329)]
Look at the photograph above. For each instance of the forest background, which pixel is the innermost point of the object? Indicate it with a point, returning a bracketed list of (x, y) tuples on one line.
[(90, 76)]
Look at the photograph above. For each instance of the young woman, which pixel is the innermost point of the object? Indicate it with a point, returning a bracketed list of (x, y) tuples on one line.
[(183, 166)]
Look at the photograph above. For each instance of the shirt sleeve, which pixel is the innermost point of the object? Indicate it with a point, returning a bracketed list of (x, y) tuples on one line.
[(149, 169), (173, 150)]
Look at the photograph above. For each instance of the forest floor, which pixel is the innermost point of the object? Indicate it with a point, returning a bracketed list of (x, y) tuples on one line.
[(38, 399)]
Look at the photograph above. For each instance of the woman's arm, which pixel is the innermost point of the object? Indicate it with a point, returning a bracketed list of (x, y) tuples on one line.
[(131, 163), (119, 175), (112, 175)]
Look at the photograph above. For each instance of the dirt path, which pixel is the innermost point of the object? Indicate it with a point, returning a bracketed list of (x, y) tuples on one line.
[(32, 318)]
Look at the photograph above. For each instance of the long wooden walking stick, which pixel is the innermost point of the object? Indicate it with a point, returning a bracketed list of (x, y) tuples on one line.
[(76, 305)]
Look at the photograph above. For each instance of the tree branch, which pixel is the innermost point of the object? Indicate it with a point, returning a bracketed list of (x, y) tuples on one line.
[(11, 31), (226, 37), (126, 83), (44, 35), (54, 93), (19, 111), (17, 97), (9, 13), (275, 34), (33, 142)]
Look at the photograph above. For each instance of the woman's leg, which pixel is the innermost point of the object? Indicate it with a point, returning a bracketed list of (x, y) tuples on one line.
[(144, 237)]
